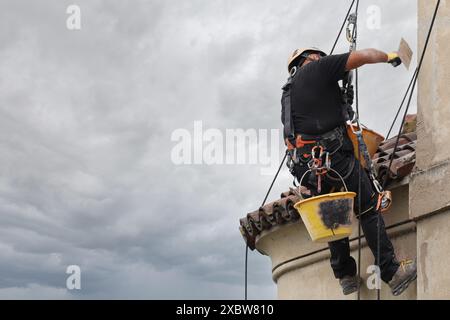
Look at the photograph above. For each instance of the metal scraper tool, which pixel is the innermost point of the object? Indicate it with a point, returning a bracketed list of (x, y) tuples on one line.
[(405, 53)]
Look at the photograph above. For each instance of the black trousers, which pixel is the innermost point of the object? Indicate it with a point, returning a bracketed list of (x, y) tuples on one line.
[(342, 262)]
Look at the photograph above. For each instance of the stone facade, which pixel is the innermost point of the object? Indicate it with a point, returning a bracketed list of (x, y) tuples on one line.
[(430, 187)]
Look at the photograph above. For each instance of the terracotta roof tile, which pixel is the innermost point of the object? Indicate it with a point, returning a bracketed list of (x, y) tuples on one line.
[(272, 214), (404, 160)]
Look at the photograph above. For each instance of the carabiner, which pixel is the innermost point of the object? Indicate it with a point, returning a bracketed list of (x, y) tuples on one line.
[(313, 152), (376, 184), (351, 31), (351, 27), (356, 128)]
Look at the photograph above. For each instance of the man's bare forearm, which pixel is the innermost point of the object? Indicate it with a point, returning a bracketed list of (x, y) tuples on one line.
[(374, 56), (366, 56)]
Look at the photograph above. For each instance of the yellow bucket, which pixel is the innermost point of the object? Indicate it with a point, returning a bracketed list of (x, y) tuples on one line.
[(371, 138), (328, 217)]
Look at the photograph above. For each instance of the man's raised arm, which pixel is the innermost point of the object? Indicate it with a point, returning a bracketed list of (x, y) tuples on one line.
[(371, 56)]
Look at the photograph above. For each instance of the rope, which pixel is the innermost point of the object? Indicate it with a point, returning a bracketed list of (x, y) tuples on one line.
[(413, 87), (359, 190), (354, 44), (262, 205), (342, 28), (401, 105), (274, 179), (246, 264)]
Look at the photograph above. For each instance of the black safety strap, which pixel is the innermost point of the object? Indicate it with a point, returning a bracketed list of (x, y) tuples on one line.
[(289, 131)]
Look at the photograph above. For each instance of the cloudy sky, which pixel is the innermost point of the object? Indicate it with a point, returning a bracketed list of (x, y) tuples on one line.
[(86, 121)]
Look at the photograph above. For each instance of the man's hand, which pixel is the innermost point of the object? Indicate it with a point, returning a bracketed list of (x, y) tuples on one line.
[(394, 59)]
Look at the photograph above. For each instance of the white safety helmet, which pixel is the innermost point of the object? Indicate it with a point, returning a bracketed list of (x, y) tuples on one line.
[(300, 53)]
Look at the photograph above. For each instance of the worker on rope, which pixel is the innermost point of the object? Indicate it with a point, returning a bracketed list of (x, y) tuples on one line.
[(314, 115)]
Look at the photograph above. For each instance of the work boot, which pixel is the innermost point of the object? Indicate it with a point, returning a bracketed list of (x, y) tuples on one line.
[(406, 273), (349, 284)]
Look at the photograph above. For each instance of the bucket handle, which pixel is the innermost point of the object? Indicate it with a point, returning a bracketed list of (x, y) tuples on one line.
[(332, 170)]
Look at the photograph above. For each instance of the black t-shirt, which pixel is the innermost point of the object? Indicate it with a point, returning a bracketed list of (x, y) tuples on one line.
[(316, 99)]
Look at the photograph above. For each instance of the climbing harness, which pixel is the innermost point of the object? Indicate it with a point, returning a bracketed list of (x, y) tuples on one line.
[(299, 152)]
